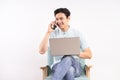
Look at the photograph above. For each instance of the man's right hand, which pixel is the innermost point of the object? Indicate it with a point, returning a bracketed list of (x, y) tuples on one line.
[(50, 27)]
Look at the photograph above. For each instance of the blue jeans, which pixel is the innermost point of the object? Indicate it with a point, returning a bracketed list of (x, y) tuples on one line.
[(67, 69)]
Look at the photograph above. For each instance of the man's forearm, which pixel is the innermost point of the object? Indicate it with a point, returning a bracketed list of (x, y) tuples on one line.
[(86, 54), (44, 44)]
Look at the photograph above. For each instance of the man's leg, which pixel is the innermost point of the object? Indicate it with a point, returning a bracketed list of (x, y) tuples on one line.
[(78, 68), (70, 75), (61, 69), (74, 71)]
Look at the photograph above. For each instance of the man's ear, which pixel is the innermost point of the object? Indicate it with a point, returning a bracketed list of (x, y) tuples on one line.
[(68, 17)]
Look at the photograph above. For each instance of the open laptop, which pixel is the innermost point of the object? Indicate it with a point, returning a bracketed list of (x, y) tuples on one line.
[(64, 46)]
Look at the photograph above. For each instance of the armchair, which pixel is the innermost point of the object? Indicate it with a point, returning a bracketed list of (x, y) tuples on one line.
[(46, 71)]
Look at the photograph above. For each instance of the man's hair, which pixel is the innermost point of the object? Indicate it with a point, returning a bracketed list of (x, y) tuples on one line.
[(62, 10)]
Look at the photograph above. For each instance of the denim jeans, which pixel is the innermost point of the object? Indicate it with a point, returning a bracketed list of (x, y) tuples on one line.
[(67, 69)]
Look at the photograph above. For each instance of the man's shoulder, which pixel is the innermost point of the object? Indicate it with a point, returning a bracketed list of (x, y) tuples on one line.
[(76, 31)]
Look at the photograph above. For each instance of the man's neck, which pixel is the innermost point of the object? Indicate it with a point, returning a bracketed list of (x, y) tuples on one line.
[(65, 29)]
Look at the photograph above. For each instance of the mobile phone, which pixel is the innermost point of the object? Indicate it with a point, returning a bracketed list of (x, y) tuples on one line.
[(54, 26)]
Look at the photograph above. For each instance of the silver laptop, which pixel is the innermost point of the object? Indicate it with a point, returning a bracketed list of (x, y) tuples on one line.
[(64, 46)]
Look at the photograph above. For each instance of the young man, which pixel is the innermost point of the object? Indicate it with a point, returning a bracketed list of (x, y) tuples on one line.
[(65, 67)]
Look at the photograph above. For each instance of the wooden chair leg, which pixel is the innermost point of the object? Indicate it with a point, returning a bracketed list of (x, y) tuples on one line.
[(87, 68), (44, 69)]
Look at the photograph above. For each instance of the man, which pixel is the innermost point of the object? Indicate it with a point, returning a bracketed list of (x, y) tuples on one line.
[(65, 67)]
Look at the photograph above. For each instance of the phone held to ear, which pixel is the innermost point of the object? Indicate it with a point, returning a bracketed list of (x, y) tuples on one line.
[(54, 27)]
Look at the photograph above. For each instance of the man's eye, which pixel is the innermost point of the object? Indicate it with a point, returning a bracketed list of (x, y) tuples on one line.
[(61, 18)]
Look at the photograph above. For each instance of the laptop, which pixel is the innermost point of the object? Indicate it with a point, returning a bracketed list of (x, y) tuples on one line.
[(64, 46)]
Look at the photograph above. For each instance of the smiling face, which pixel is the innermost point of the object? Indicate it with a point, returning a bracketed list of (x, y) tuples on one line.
[(62, 21)]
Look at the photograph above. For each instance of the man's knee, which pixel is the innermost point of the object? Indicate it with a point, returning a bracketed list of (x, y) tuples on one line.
[(70, 74), (71, 71), (67, 58)]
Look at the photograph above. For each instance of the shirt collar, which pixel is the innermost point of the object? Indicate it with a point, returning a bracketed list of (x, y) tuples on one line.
[(61, 32)]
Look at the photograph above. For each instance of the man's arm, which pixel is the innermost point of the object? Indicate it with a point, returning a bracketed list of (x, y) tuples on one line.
[(86, 54), (44, 43)]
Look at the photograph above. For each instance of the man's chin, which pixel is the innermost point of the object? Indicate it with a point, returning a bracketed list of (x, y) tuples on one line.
[(61, 27)]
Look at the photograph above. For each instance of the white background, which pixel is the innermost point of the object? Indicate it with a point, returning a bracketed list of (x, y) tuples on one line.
[(23, 24)]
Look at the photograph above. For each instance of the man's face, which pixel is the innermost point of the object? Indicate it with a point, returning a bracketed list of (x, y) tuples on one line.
[(62, 20)]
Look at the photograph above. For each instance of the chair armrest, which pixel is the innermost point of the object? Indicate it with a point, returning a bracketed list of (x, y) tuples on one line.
[(45, 71), (87, 69)]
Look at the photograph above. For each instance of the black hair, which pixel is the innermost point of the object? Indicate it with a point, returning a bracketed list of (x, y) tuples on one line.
[(62, 10)]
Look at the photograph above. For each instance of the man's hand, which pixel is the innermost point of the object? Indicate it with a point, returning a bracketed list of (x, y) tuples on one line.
[(50, 27)]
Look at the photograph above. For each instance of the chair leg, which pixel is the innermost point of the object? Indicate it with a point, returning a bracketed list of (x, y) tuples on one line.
[(44, 71), (87, 68)]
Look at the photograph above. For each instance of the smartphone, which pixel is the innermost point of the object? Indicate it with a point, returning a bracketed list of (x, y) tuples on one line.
[(54, 27)]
